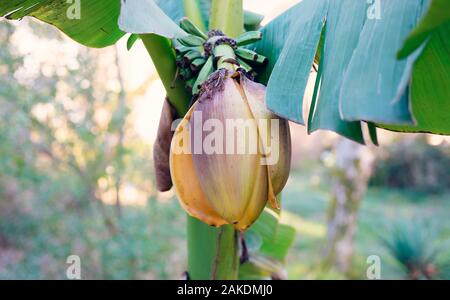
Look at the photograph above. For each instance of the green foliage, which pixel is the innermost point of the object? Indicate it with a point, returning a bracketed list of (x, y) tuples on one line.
[(414, 246), (430, 90), (267, 243), (360, 77), (437, 17), (177, 10), (63, 127), (336, 54), (289, 76), (415, 166), (305, 207), (145, 17), (44, 238), (93, 24), (374, 87)]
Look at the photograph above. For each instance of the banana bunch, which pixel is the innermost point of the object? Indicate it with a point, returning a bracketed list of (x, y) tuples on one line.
[(196, 59), (222, 173), (220, 187)]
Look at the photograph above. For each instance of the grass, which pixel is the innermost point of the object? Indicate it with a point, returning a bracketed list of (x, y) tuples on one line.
[(150, 241), (305, 205)]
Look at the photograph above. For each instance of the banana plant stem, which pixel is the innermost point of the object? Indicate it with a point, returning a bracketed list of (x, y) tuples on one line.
[(228, 16), (212, 252), (193, 11), (163, 57)]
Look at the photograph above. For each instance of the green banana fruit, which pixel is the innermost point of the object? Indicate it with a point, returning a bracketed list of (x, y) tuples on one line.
[(185, 74), (180, 49), (190, 83), (197, 64), (190, 28), (250, 55), (249, 37), (191, 41), (252, 21), (244, 65), (208, 68), (192, 55)]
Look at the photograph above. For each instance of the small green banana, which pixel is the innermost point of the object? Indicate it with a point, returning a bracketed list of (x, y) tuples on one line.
[(190, 83), (190, 28), (252, 21), (192, 55), (185, 74), (191, 41), (249, 37), (180, 49), (244, 65), (250, 55), (197, 64), (208, 68)]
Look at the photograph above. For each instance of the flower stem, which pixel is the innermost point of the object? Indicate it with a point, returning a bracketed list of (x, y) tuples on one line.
[(228, 16), (192, 10), (212, 252)]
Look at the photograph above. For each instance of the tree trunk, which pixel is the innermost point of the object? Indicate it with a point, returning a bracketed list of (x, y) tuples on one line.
[(351, 173)]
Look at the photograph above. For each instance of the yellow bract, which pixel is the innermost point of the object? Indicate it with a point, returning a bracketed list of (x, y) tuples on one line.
[(229, 188)]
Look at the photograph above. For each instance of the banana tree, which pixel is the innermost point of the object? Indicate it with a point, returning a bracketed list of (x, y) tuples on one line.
[(380, 64)]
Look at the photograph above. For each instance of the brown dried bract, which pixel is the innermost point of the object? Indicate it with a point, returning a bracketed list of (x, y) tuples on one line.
[(161, 148)]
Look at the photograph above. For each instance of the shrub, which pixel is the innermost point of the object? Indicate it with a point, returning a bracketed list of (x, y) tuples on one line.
[(414, 165)]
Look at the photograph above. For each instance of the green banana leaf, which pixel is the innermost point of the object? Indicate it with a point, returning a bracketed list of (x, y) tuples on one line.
[(294, 56), (343, 18), (430, 90), (175, 9), (376, 85), (268, 242), (145, 16), (430, 87), (438, 16), (93, 23), (361, 79)]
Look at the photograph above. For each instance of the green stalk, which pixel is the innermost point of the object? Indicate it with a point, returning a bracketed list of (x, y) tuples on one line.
[(228, 16), (192, 10), (212, 252), (163, 57)]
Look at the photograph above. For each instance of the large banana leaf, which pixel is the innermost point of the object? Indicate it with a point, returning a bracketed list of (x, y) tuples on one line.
[(375, 85), (438, 16), (360, 77), (289, 76), (431, 87), (145, 16), (94, 23), (344, 18), (96, 26), (431, 76)]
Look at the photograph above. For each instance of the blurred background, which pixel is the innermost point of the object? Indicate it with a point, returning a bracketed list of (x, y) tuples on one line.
[(76, 176)]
